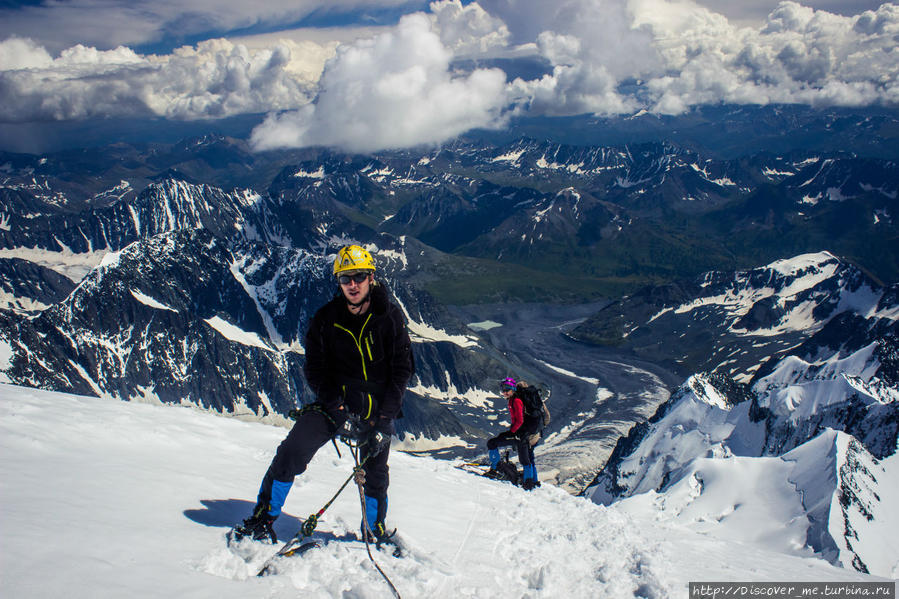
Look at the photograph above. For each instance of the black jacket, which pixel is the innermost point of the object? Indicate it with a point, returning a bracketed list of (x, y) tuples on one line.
[(362, 362)]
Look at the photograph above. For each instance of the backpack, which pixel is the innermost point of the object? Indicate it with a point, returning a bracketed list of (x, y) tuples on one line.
[(534, 406)]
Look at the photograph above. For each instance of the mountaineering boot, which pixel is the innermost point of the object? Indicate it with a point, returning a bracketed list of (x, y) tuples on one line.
[(380, 535), (385, 538), (534, 475), (493, 454), (492, 472), (508, 471), (258, 526), (530, 478), (376, 513), (272, 494)]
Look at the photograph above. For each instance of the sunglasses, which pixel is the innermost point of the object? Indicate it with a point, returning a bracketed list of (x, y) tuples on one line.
[(356, 278)]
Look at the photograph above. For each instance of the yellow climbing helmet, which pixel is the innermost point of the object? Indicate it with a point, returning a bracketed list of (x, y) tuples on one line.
[(353, 257)]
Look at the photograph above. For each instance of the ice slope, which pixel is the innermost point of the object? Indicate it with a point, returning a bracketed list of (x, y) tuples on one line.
[(101, 498)]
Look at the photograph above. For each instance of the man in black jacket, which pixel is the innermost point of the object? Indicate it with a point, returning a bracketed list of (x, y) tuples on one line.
[(358, 362)]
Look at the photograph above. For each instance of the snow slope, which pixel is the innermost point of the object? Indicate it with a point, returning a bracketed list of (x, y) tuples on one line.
[(111, 499)]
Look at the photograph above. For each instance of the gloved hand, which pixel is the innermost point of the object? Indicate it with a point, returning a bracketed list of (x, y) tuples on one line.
[(379, 436), (377, 442)]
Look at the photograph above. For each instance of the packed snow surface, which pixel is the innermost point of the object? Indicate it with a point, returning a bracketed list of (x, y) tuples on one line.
[(112, 499)]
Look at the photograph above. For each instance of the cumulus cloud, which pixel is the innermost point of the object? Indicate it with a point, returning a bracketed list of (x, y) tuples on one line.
[(467, 30), (394, 90), (593, 47), (665, 56), (800, 55), (214, 79), (16, 53)]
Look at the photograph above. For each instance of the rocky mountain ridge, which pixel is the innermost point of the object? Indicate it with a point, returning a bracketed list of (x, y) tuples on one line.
[(623, 215), (734, 321)]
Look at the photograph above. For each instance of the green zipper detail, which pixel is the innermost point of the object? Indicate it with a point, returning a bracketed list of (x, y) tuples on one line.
[(358, 342)]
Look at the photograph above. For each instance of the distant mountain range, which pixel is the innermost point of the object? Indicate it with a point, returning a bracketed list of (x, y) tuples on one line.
[(722, 131), (546, 221)]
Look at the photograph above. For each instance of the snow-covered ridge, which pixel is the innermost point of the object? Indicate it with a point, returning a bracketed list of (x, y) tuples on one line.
[(792, 291), (475, 398), (422, 332), (318, 174), (818, 442), (70, 264)]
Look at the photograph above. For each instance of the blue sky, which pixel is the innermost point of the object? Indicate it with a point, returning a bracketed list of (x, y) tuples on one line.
[(364, 75), (174, 24)]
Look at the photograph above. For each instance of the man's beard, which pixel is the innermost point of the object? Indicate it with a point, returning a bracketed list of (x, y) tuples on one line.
[(360, 302)]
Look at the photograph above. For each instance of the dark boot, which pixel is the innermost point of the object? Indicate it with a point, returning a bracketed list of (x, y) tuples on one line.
[(380, 535), (257, 527), (530, 478)]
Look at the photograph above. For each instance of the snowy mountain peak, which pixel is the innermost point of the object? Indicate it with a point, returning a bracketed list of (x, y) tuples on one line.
[(755, 314)]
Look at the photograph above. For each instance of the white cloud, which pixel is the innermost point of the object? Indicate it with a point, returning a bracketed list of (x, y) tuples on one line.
[(467, 29), (214, 79), (394, 90), (752, 13), (17, 53), (670, 55), (800, 55), (593, 46)]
